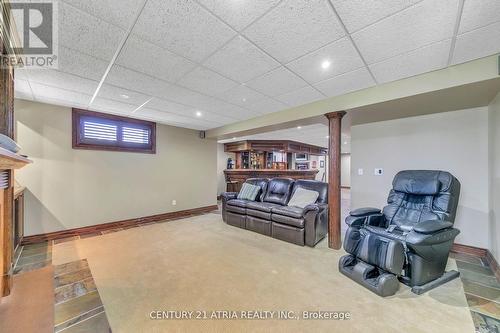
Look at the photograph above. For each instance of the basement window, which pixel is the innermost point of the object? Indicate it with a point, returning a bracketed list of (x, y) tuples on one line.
[(100, 131)]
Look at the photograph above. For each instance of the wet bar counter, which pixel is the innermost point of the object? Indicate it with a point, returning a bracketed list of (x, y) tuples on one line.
[(236, 177)]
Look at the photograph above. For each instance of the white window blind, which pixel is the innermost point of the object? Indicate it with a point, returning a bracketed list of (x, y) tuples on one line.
[(135, 135), (99, 131), (92, 130)]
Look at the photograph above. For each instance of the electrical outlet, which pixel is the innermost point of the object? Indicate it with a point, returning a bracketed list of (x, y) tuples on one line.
[(174, 202), (360, 172), (378, 172)]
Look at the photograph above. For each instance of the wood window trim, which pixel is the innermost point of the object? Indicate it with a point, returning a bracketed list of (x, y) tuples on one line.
[(78, 144)]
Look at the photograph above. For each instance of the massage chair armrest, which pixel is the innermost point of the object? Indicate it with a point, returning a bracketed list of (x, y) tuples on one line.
[(365, 216), (432, 226), (417, 238), (365, 211)]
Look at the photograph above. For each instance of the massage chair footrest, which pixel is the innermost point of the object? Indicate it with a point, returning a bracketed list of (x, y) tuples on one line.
[(446, 277), (371, 277)]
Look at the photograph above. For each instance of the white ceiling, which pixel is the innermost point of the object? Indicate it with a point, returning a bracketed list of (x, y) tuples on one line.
[(316, 134), (237, 59)]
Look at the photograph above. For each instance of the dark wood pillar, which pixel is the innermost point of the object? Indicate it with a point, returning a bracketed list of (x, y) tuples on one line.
[(335, 127)]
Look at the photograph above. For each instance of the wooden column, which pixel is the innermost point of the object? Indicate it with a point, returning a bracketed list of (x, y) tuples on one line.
[(335, 127)]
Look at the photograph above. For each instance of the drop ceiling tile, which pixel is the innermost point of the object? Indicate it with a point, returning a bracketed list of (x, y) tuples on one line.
[(418, 26), (111, 106), (241, 95), (183, 27), (58, 96), (477, 43), (22, 89), (51, 77), (123, 77), (267, 105), (167, 118), (294, 28), (238, 14), (277, 82), (477, 14), (357, 14), (212, 117), (21, 73), (426, 59), (143, 56), (169, 106), (345, 83), (341, 55), (77, 63), (118, 12), (240, 60), (85, 33), (223, 108), (206, 81), (174, 119), (122, 95), (300, 97)]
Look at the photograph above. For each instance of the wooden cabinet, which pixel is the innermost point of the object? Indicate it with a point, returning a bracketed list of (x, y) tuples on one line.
[(8, 163)]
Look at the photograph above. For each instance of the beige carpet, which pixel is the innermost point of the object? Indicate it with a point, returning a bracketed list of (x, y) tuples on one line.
[(200, 263)]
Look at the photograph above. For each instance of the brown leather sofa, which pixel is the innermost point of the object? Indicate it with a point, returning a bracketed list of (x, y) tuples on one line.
[(269, 214)]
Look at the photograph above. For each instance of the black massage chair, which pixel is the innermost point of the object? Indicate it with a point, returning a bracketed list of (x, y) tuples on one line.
[(409, 240)]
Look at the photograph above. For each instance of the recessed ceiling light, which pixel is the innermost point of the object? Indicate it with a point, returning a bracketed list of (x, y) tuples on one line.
[(345, 142), (326, 64), (198, 114), (234, 138), (124, 96), (244, 99), (327, 137), (299, 127)]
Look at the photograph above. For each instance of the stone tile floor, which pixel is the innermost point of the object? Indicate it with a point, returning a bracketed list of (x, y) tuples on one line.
[(482, 291), (78, 306)]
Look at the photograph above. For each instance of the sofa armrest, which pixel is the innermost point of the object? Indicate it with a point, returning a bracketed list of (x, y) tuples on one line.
[(316, 223), (229, 196), (314, 208), (431, 226), (226, 196), (365, 211)]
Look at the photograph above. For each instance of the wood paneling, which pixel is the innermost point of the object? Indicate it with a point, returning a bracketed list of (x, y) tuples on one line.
[(116, 225), (334, 169), (286, 146), (241, 175)]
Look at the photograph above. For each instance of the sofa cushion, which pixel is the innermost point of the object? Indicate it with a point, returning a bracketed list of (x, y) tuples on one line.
[(238, 203), (313, 185), (262, 206), (260, 182), (294, 212), (278, 191), (302, 197), (248, 192), (236, 209), (259, 214), (295, 222)]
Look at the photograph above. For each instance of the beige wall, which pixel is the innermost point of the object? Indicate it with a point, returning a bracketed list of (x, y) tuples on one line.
[(345, 170), (494, 122), (454, 141), (69, 188)]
